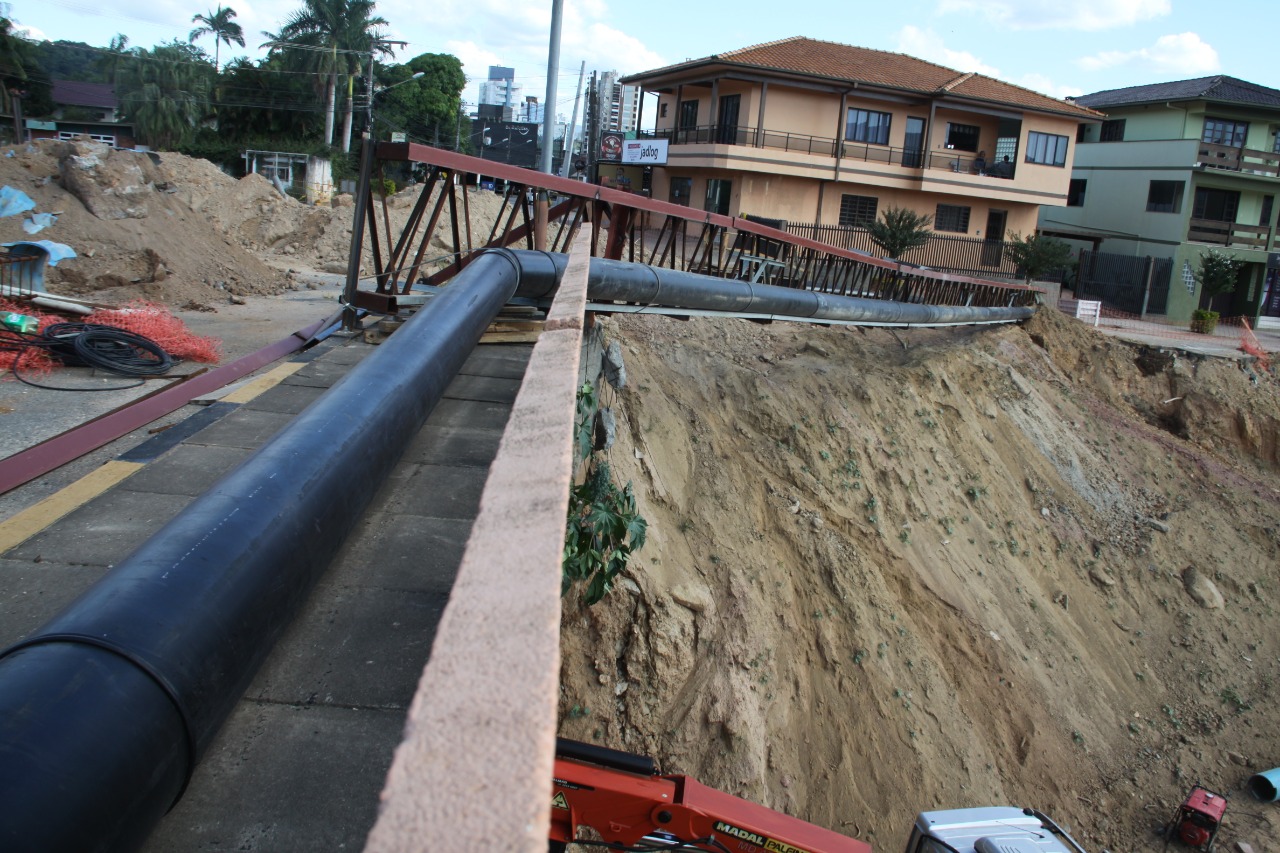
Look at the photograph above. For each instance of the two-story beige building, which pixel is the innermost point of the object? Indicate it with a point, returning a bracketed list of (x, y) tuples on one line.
[(816, 132)]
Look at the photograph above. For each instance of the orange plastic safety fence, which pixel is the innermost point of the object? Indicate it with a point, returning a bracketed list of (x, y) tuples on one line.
[(156, 323), (31, 361), (1249, 343), (148, 319)]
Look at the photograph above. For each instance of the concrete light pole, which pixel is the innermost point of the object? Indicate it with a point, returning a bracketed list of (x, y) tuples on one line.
[(553, 69)]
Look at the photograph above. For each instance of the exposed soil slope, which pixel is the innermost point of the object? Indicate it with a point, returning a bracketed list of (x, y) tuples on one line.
[(986, 567)]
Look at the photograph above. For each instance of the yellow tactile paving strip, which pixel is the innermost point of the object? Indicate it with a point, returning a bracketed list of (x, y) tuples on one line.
[(30, 521)]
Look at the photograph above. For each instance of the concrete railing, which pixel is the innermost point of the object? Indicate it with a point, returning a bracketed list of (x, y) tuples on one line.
[(474, 769)]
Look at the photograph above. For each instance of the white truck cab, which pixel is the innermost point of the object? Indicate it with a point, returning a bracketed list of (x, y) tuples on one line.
[(990, 829)]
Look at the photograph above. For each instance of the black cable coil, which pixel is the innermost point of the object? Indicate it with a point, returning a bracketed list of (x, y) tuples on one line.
[(107, 348)]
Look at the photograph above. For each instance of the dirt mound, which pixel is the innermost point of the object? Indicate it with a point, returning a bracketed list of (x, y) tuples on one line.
[(893, 573), (129, 217), (176, 229)]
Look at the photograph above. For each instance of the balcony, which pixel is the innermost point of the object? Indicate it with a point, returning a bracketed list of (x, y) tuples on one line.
[(1248, 160), (1229, 234), (754, 137)]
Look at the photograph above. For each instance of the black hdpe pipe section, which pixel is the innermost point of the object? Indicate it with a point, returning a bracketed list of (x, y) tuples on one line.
[(617, 281), (106, 709)]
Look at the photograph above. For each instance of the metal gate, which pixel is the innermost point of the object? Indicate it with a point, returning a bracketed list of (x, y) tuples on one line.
[(1135, 285)]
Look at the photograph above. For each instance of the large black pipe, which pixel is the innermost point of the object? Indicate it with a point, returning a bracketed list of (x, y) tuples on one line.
[(105, 710), (616, 281)]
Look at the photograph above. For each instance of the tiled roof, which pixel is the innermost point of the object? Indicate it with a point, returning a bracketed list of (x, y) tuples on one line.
[(73, 93), (1219, 88), (845, 63)]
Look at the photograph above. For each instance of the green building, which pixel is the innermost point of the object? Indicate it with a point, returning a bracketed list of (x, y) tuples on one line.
[(1176, 169)]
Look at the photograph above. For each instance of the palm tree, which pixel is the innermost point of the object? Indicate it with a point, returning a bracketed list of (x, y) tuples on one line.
[(338, 34), (219, 25), (115, 59), (168, 93)]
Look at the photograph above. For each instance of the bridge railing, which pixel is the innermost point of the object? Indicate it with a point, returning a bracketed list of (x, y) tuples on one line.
[(623, 226)]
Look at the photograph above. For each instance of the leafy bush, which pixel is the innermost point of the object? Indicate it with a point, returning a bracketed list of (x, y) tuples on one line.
[(604, 530), (1204, 321), (604, 527)]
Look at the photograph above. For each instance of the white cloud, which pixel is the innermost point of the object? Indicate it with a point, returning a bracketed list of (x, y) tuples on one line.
[(33, 33), (1184, 54), (1065, 14), (1045, 86), (928, 45)]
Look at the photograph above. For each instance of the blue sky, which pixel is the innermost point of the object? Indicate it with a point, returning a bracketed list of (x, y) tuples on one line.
[(1058, 47)]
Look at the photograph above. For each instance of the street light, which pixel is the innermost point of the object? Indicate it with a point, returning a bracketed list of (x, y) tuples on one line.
[(401, 83)]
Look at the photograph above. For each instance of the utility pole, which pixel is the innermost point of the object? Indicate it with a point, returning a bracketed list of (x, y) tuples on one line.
[(368, 104), (573, 124), (553, 72), (591, 142)]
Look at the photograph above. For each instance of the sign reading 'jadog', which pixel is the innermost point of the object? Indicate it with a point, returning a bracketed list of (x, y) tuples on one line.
[(645, 152)]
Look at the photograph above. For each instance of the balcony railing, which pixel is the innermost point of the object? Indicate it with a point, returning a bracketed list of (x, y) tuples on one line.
[(825, 146), (1266, 163), (1229, 234)]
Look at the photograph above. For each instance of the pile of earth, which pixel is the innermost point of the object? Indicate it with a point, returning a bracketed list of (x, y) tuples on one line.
[(176, 229), (892, 572)]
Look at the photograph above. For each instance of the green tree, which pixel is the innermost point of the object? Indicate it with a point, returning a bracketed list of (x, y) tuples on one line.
[(116, 59), (335, 37), (24, 87), (429, 107), (218, 24), (1217, 273), (167, 93), (899, 230), (260, 102), (1035, 255)]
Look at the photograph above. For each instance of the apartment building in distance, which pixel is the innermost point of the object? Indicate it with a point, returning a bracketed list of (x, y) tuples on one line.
[(1178, 168), (619, 104), (502, 90), (812, 131)]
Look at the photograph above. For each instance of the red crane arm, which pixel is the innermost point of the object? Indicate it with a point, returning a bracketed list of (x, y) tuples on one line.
[(625, 806)]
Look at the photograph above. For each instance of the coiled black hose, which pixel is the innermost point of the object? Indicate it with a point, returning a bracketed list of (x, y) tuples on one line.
[(90, 345), (108, 348)]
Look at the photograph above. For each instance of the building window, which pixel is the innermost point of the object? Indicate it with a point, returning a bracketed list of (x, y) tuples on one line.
[(1047, 149), (1112, 131), (857, 210), (1216, 205), (867, 126), (662, 110), (96, 137), (963, 137), (1220, 131), (951, 217), (1075, 192), (1264, 218), (1275, 142), (688, 115), (1165, 196)]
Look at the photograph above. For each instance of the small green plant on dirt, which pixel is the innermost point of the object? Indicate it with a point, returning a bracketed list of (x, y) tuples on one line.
[(1232, 697), (604, 527)]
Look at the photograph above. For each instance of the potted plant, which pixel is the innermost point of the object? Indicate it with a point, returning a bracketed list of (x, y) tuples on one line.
[(1217, 274), (1204, 321)]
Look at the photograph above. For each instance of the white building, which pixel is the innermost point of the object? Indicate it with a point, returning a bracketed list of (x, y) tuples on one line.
[(619, 105), (501, 89)]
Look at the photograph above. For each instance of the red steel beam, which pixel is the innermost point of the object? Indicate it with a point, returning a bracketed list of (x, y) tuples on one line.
[(413, 152), (36, 461)]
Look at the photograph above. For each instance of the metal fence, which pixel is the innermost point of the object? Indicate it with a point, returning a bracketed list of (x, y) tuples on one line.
[(1136, 285)]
